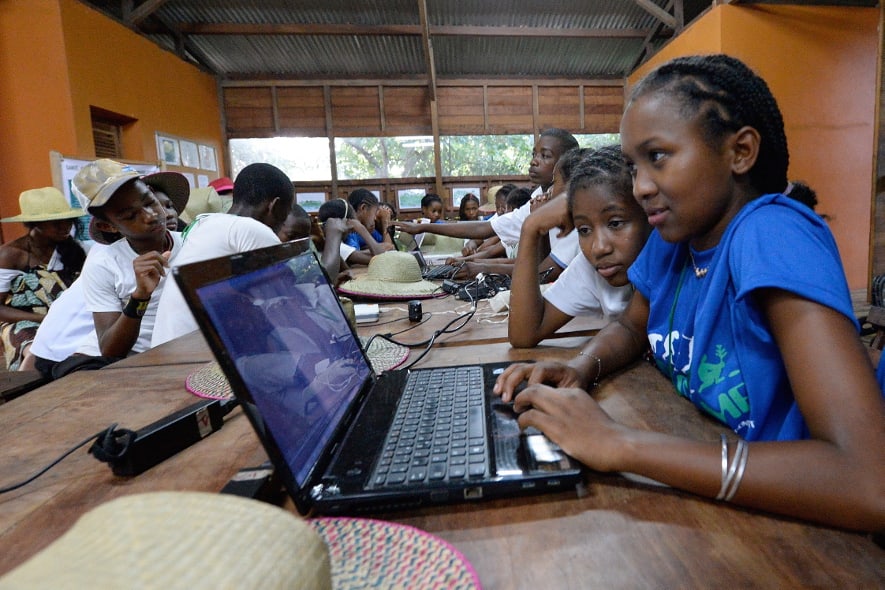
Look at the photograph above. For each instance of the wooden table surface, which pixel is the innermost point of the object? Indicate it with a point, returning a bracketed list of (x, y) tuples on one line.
[(615, 534)]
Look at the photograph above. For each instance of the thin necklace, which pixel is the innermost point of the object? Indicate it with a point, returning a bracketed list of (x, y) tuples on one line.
[(698, 272)]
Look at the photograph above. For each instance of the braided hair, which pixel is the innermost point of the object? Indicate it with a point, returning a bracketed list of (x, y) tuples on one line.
[(567, 161), (362, 196), (605, 165), (726, 95)]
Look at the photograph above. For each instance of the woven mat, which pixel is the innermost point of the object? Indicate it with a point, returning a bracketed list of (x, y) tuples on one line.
[(209, 381), (368, 553)]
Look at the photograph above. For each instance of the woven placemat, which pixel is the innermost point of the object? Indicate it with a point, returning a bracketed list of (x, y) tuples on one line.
[(368, 553), (209, 381), (384, 354)]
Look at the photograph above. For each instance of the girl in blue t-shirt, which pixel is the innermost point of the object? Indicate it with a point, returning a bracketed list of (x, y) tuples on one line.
[(367, 210), (742, 300)]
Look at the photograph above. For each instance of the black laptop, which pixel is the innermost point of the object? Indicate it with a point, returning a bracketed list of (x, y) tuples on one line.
[(343, 439)]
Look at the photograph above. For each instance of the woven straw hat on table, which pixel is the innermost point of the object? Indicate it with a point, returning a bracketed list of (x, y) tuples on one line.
[(196, 540), (391, 275)]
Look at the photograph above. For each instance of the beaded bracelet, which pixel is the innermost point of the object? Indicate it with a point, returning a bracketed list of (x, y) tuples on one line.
[(598, 366)]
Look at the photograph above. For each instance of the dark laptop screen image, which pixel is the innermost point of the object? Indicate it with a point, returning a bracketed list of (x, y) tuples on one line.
[(296, 353)]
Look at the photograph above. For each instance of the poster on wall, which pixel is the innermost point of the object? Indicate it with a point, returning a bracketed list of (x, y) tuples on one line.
[(167, 150), (190, 156), (65, 168), (207, 157)]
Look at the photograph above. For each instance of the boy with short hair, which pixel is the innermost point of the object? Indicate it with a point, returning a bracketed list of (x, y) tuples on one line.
[(68, 322), (262, 200), (122, 283)]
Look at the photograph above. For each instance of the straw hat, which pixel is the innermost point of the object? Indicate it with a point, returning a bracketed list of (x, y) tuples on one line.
[(489, 205), (97, 181), (391, 275), (199, 541), (202, 200), (181, 540), (43, 204)]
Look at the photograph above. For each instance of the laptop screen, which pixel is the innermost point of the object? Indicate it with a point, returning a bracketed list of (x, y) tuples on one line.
[(291, 343)]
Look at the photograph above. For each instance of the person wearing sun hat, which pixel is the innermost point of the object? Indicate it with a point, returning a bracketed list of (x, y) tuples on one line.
[(170, 188), (36, 268), (122, 283), (391, 276), (68, 322)]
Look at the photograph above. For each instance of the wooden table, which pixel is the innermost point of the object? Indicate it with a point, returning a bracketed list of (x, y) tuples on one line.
[(486, 326), (618, 534)]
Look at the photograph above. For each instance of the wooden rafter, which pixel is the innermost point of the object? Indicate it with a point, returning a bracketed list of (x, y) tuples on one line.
[(134, 16), (657, 12)]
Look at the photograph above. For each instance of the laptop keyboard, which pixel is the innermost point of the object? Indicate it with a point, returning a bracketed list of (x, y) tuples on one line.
[(439, 430)]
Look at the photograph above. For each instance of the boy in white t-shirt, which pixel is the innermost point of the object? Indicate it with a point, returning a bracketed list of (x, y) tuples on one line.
[(551, 144), (122, 283), (64, 329), (262, 199)]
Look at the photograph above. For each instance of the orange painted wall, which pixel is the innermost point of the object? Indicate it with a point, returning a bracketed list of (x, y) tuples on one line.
[(36, 115), (820, 63), (88, 60)]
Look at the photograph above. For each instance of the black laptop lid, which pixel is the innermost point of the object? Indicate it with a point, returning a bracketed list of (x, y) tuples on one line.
[(286, 346)]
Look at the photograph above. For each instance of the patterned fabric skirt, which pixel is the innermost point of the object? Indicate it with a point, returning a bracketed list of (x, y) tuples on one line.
[(34, 291)]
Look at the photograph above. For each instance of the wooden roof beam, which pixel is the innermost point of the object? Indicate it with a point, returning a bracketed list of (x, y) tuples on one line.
[(134, 16), (657, 12)]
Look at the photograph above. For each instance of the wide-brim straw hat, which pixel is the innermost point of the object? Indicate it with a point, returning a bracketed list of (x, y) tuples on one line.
[(198, 541), (43, 204), (489, 206), (391, 275), (202, 200)]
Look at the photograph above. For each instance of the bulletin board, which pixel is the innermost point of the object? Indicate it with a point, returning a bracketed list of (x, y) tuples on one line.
[(65, 168), (197, 161)]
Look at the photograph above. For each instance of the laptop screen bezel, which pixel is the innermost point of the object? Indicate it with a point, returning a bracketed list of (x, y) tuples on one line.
[(191, 278)]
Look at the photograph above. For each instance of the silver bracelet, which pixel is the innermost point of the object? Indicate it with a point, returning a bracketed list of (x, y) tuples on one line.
[(598, 366), (724, 440), (732, 470), (742, 464)]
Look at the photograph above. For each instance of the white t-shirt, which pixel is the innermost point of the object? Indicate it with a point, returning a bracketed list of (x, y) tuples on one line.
[(580, 290), (210, 235), (345, 250), (509, 226), (67, 323), (109, 280)]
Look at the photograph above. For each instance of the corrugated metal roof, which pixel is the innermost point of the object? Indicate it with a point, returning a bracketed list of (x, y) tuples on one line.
[(342, 39)]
